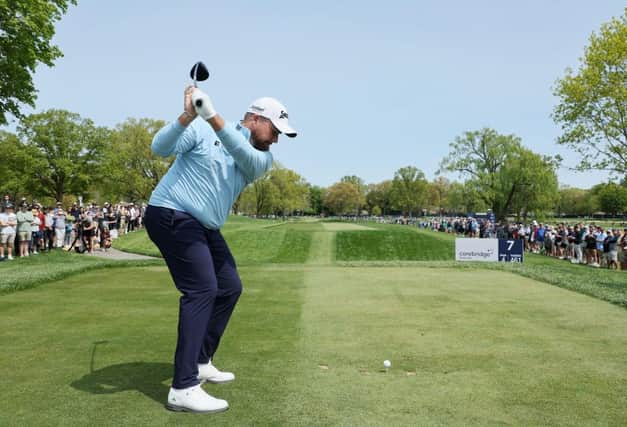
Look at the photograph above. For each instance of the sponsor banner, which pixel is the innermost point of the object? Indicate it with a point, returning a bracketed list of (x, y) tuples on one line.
[(476, 249), (489, 250)]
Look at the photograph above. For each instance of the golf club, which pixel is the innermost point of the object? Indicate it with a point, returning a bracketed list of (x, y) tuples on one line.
[(199, 73)]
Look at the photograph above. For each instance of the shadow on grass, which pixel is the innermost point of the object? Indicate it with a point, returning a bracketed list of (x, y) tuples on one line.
[(144, 377)]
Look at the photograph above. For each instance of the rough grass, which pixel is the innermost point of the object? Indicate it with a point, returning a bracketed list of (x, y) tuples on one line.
[(604, 284), (36, 270)]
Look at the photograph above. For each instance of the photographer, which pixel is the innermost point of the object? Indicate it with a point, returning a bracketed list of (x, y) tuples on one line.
[(88, 231)]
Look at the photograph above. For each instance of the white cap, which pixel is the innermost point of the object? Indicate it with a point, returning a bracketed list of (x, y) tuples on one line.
[(272, 109)]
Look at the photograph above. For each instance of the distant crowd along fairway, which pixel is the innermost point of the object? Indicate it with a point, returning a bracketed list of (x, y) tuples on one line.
[(324, 304)]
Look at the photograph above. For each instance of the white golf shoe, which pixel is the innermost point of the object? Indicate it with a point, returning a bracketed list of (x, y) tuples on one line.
[(209, 373), (194, 399)]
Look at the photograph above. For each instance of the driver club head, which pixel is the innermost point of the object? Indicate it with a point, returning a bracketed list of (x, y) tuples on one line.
[(199, 72)]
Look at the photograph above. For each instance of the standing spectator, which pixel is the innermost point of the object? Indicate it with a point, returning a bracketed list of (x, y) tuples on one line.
[(549, 240), (111, 221), (34, 231), (591, 248), (24, 223), (100, 228), (123, 219), (67, 241), (49, 229), (8, 222), (75, 212), (609, 246), (571, 236), (133, 218), (557, 242), (580, 232), (540, 232), (59, 227), (600, 238), (42, 228)]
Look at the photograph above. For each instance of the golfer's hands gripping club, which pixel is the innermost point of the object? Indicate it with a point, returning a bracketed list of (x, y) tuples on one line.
[(188, 106), (202, 104)]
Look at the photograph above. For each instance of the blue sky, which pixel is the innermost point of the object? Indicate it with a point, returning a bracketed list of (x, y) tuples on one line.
[(370, 86)]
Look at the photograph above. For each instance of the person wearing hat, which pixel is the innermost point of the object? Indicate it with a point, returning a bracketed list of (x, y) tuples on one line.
[(610, 248), (8, 222), (59, 219), (215, 160), (24, 224), (35, 234)]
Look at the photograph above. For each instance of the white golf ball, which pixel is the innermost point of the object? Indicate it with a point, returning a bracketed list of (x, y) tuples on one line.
[(387, 364)]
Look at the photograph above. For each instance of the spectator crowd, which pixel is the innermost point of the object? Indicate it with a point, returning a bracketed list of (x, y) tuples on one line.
[(30, 228), (580, 243)]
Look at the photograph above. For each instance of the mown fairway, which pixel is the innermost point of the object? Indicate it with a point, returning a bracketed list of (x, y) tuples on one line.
[(468, 346)]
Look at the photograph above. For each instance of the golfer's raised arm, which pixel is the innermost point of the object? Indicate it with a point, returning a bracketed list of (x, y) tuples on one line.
[(176, 137), (173, 138), (253, 162)]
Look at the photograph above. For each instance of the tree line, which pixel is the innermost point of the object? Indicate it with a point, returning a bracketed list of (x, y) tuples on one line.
[(60, 156)]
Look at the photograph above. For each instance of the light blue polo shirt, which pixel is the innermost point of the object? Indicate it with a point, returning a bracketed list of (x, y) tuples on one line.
[(210, 170)]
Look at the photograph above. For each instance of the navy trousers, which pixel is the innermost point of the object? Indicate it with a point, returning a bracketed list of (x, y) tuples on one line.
[(204, 271)]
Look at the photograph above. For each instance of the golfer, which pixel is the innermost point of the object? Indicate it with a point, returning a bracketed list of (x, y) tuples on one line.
[(215, 160)]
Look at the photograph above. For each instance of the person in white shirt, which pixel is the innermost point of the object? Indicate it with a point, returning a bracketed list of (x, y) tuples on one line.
[(8, 224), (35, 233)]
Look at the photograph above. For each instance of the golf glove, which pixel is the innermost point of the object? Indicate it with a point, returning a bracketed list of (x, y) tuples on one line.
[(202, 104)]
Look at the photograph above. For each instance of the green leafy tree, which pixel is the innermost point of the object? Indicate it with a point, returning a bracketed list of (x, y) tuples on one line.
[(438, 192), (130, 171), (529, 183), (260, 198), (343, 198), (463, 198), (292, 189), (576, 201), (66, 150), (316, 196), (16, 164), (379, 196), (455, 201), (593, 101), (612, 198), (409, 190), (503, 175), (357, 181), (359, 184), (26, 31)]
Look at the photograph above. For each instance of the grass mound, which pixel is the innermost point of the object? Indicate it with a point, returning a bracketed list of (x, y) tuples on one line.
[(391, 244)]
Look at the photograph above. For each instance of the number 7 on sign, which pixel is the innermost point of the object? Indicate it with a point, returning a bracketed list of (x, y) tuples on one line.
[(510, 243)]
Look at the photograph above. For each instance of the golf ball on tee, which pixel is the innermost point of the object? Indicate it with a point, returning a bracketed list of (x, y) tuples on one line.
[(387, 364)]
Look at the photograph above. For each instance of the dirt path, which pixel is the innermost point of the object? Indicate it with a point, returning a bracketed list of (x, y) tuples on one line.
[(116, 254)]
